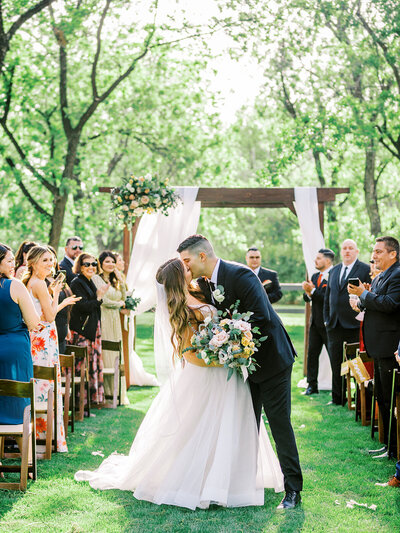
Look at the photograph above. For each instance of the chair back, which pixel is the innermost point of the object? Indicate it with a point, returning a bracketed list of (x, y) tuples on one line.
[(350, 350), (112, 346), (17, 389), (78, 351), (67, 361), (45, 372)]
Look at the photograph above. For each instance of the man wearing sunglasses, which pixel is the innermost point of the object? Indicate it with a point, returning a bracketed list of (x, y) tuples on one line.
[(73, 248)]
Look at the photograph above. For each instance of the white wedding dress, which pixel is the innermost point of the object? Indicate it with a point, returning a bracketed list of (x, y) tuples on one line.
[(197, 445)]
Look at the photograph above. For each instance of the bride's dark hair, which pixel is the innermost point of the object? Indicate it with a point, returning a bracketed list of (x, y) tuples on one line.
[(171, 274)]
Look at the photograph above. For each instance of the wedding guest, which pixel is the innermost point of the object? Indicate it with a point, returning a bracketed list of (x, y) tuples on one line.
[(120, 264), (18, 314), (44, 342), (113, 302), (63, 315), (268, 278), (314, 291), (381, 327), (20, 257), (73, 247), (85, 321), (339, 317), (394, 481)]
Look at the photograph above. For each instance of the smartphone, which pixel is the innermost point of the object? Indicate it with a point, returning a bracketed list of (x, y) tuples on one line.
[(353, 281), (60, 277)]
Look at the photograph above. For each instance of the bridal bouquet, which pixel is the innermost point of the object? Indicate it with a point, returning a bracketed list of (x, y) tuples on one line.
[(131, 303), (142, 194), (228, 340)]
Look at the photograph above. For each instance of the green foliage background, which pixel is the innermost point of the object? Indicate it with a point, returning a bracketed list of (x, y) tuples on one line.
[(327, 115)]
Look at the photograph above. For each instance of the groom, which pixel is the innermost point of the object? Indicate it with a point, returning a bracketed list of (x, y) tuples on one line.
[(270, 384)]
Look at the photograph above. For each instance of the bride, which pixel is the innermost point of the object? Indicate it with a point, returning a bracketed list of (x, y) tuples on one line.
[(198, 443)]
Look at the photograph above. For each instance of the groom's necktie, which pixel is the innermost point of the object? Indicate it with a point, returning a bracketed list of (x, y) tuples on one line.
[(212, 289)]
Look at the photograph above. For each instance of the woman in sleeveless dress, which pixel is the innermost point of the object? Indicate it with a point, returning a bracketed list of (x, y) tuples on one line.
[(17, 316), (198, 443), (44, 342)]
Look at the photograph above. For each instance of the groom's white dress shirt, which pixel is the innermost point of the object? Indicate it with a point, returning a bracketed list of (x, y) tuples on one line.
[(214, 276)]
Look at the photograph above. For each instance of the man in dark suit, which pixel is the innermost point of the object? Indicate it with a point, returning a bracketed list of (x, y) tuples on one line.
[(314, 291), (270, 384), (381, 327), (339, 317), (268, 278), (73, 247)]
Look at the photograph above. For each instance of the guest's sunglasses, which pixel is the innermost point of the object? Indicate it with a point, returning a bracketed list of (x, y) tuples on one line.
[(76, 247), (87, 264)]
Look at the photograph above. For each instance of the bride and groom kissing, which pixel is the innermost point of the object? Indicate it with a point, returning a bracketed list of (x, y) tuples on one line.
[(200, 443)]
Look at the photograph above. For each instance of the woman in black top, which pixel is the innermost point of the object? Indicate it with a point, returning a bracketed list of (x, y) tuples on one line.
[(85, 321)]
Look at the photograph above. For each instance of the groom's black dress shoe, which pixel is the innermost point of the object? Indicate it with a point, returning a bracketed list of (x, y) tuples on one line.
[(292, 499), (310, 390)]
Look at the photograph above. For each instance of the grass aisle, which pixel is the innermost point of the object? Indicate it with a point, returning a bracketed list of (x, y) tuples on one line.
[(332, 450)]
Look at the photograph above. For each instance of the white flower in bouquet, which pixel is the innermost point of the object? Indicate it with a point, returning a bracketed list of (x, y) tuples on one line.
[(134, 204), (218, 296), (242, 325), (125, 208), (219, 338), (207, 320)]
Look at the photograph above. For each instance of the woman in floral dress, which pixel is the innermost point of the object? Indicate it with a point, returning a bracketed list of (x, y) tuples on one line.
[(44, 342), (113, 301)]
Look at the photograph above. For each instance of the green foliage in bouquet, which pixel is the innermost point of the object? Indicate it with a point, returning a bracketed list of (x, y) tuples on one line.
[(227, 340), (131, 303), (140, 195)]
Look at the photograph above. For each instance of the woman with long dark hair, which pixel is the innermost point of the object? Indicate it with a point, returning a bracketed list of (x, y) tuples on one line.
[(17, 316), (20, 258), (113, 302), (198, 443)]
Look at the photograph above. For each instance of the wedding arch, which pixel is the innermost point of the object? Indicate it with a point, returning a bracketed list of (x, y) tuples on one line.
[(309, 209)]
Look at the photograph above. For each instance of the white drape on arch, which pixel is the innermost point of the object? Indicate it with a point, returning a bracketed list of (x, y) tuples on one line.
[(306, 205), (156, 241)]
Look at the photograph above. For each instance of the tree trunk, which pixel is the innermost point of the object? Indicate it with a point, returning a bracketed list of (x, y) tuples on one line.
[(60, 201), (371, 200), (57, 219)]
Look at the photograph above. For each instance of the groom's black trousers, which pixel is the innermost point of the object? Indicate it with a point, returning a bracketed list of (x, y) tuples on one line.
[(274, 394)]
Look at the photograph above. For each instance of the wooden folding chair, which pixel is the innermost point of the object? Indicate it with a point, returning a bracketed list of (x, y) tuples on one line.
[(361, 403), (67, 364), (23, 433), (349, 352), (49, 408), (394, 410), (376, 419), (82, 379), (117, 370)]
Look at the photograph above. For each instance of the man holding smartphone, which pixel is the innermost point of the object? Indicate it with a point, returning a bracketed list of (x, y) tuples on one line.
[(73, 247), (381, 327), (340, 319)]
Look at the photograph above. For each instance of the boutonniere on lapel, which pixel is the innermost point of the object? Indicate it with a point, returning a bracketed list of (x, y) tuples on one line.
[(219, 294)]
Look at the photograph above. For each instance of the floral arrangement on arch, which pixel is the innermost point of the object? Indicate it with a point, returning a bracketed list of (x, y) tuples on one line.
[(142, 194)]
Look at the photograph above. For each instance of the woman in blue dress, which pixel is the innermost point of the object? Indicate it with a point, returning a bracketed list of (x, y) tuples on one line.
[(17, 315)]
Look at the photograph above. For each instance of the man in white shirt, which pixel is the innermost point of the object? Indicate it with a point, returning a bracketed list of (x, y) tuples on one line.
[(314, 291), (339, 317), (73, 248), (268, 278)]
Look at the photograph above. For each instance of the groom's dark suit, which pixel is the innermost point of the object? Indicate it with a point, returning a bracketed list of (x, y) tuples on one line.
[(270, 385)]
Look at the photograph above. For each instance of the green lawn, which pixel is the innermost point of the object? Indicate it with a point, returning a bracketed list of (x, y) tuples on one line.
[(332, 450)]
